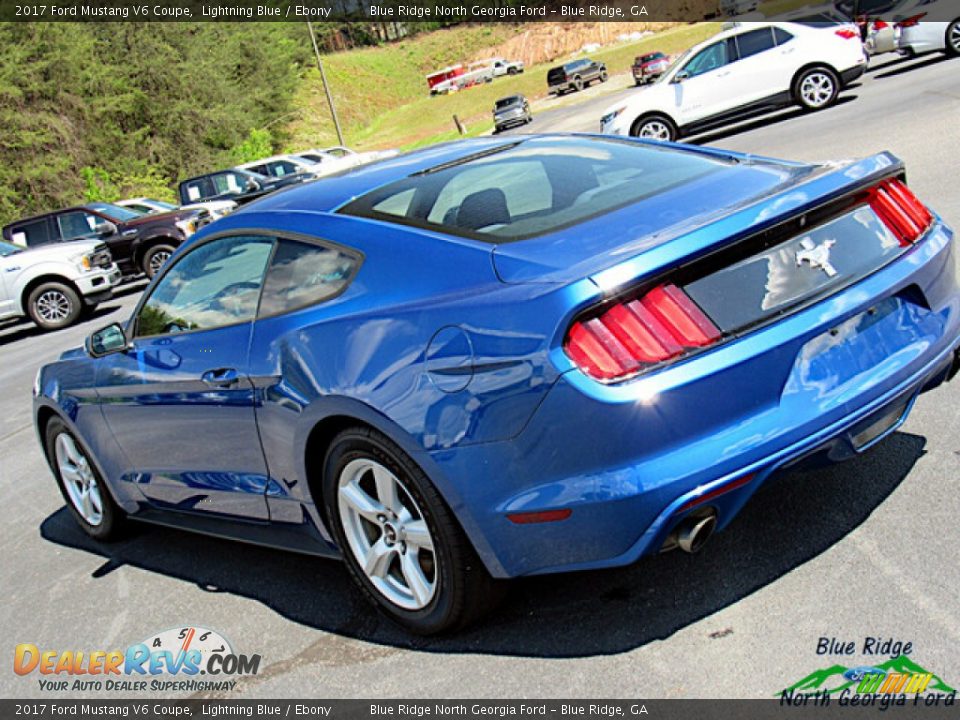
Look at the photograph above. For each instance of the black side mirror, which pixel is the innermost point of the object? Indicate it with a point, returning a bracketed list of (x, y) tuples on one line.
[(105, 228), (251, 185), (107, 340)]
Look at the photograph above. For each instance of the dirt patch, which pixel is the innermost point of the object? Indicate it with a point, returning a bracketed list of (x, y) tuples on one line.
[(545, 42)]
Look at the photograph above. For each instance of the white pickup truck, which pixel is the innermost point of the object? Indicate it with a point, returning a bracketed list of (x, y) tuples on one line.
[(53, 284)]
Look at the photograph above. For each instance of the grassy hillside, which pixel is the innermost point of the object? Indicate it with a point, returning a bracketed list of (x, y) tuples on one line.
[(381, 93)]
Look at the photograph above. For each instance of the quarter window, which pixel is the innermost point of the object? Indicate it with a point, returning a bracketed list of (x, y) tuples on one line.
[(216, 284), (304, 274), (782, 36)]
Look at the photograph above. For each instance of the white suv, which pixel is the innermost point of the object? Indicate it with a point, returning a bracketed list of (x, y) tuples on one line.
[(748, 69), (52, 284)]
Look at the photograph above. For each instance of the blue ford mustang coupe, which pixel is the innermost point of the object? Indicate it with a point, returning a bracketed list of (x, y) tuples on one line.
[(497, 358)]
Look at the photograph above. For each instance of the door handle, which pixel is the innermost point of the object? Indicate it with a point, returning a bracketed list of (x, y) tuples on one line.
[(221, 377)]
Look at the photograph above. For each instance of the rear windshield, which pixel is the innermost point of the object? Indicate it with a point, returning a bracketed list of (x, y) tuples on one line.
[(648, 58), (532, 187), (507, 102)]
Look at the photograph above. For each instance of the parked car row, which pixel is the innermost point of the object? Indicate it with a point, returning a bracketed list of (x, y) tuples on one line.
[(59, 263)]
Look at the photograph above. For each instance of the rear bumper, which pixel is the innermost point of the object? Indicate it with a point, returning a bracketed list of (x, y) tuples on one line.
[(625, 457), (851, 74)]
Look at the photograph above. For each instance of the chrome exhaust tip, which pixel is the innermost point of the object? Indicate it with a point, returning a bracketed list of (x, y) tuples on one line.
[(694, 532)]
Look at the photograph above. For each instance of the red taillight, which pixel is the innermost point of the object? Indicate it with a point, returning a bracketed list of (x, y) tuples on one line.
[(900, 211), (633, 333), (879, 25), (848, 34), (911, 21)]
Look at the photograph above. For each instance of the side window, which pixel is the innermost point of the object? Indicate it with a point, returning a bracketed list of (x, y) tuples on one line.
[(397, 204), (755, 41), (485, 197), (261, 169), (229, 182), (302, 274), (710, 58), (782, 36), (281, 168), (77, 224), (32, 234), (216, 284)]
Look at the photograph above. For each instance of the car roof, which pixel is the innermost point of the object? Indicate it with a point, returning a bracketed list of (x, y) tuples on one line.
[(332, 191), (242, 171), (272, 158), (49, 213)]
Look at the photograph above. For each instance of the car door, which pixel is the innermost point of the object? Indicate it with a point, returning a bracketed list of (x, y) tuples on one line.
[(759, 71), (702, 90), (304, 273), (179, 402)]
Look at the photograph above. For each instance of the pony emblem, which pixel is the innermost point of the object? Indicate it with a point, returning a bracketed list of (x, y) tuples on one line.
[(817, 255)]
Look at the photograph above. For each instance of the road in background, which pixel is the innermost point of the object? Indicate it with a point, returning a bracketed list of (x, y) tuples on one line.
[(864, 549)]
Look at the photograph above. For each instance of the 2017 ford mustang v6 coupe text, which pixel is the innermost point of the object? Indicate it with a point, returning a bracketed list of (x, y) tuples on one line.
[(498, 358)]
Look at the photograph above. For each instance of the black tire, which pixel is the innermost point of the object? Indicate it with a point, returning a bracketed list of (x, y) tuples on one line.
[(816, 88), (603, 76), (54, 305), (951, 39), (645, 126), (155, 257), (464, 589), (113, 518), (578, 84), (511, 71)]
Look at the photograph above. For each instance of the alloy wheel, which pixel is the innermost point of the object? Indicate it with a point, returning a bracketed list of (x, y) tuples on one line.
[(654, 130), (816, 89), (387, 534), (157, 260), (79, 479), (954, 38), (53, 306)]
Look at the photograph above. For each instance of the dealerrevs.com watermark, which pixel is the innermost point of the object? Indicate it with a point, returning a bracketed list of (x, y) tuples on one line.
[(170, 661)]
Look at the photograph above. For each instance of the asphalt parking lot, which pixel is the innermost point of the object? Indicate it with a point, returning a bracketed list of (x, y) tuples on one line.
[(865, 549)]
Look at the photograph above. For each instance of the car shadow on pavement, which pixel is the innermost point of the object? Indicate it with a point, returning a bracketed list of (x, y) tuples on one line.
[(710, 136), (789, 521), (923, 61), (24, 328)]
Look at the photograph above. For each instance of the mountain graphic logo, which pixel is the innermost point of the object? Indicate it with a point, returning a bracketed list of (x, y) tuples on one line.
[(836, 678)]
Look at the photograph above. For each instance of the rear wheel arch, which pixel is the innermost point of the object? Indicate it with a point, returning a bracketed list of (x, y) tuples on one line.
[(811, 66), (324, 432), (798, 76), (145, 245)]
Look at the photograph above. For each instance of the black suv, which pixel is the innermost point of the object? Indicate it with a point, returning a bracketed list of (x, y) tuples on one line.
[(235, 184), (575, 75), (138, 242)]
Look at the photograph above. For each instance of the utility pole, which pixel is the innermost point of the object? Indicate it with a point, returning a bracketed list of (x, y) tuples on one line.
[(326, 88)]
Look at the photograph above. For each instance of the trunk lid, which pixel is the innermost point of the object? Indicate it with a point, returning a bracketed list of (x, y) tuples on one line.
[(685, 223)]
